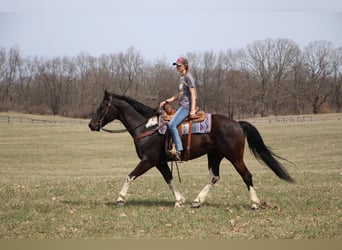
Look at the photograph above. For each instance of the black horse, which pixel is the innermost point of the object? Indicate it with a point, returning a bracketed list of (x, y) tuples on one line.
[(226, 140)]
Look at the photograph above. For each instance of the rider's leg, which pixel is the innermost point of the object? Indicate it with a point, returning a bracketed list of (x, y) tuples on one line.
[(177, 118)]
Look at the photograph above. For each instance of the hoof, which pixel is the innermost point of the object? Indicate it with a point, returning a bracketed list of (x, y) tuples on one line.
[(195, 204), (120, 203), (178, 205), (180, 202), (255, 207)]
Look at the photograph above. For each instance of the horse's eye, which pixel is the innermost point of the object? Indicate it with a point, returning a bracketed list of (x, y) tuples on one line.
[(102, 107)]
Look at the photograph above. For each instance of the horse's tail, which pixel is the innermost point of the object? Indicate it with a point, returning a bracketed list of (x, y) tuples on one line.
[(262, 152)]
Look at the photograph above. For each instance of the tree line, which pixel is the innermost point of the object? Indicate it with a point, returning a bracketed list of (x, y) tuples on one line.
[(268, 77)]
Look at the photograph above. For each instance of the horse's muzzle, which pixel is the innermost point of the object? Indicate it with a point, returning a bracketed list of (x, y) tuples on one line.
[(94, 127)]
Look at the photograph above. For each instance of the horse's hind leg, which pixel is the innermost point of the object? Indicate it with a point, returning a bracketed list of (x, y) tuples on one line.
[(247, 178), (214, 160), (166, 173)]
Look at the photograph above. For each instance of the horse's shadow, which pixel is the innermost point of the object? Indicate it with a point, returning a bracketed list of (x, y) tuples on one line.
[(130, 203), (143, 203), (148, 203), (170, 204)]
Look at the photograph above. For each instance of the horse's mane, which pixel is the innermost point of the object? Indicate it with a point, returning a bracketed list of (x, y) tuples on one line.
[(141, 108)]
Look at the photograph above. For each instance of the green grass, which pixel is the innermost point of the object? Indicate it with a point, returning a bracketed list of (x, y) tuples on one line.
[(60, 181)]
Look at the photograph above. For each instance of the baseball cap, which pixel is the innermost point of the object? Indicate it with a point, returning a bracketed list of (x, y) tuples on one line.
[(181, 61)]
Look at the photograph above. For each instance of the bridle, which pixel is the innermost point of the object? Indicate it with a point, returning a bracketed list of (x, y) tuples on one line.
[(109, 104), (137, 137)]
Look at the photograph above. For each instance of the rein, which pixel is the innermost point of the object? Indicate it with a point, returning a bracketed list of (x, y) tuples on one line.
[(137, 137), (114, 131), (125, 129)]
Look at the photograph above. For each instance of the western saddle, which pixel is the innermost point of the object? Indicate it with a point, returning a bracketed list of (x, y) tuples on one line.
[(167, 116)]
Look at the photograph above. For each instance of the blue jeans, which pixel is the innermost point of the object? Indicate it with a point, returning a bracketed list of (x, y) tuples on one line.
[(177, 118)]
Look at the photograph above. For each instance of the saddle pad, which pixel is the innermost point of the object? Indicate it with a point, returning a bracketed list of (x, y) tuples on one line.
[(203, 127)]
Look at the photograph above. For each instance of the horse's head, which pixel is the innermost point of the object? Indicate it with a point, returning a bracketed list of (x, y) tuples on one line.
[(104, 114)]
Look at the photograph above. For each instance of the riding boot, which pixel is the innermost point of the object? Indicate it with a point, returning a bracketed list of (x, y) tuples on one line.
[(175, 155)]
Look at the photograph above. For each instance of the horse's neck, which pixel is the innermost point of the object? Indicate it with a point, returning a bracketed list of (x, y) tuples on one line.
[(131, 119)]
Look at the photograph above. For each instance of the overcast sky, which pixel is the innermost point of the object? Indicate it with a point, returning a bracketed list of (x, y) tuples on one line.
[(162, 29)]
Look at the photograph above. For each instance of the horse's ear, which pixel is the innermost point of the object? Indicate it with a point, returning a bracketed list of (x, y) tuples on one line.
[(106, 94)]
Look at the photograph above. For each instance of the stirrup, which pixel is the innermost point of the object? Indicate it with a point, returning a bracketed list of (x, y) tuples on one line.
[(177, 156), (173, 154)]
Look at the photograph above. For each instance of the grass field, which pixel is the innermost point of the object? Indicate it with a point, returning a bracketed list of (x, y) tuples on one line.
[(60, 181)]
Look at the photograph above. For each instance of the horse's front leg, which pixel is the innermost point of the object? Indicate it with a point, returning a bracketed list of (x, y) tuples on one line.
[(180, 200), (166, 173), (140, 169), (120, 201)]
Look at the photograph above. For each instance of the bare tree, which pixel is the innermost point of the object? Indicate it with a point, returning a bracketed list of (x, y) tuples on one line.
[(297, 91), (57, 75), (158, 82), (337, 79), (26, 73), (272, 61), (205, 70), (88, 90), (3, 71), (260, 62), (317, 59), (230, 71), (282, 60), (130, 66), (14, 61)]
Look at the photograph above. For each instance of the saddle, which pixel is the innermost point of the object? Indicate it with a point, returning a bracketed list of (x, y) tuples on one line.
[(167, 116), (169, 112)]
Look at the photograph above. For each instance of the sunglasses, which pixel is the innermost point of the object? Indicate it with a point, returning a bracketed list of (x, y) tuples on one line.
[(179, 65)]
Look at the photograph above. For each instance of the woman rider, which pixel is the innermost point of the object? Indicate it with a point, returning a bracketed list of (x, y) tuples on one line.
[(186, 97)]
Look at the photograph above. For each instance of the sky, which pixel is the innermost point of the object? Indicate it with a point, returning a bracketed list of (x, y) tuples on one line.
[(161, 29)]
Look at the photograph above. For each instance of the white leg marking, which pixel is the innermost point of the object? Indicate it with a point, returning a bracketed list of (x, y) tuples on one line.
[(255, 202), (180, 200), (123, 193), (204, 192)]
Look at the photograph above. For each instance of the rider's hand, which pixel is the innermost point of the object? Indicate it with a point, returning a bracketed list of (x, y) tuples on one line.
[(193, 114)]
